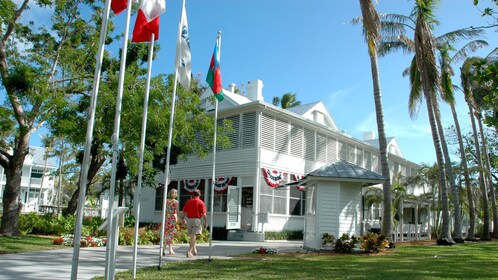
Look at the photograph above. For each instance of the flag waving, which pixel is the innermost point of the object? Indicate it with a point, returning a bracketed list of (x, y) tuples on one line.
[(118, 6), (214, 74), (148, 20), (183, 57)]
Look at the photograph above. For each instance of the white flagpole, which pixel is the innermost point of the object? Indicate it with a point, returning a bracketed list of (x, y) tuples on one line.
[(166, 170), (110, 258), (88, 143), (138, 191), (213, 180)]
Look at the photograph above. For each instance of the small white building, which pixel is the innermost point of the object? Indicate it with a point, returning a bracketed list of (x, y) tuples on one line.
[(37, 180), (334, 201)]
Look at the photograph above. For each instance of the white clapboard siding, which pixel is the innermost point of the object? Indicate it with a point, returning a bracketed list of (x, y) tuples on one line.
[(240, 162), (349, 209), (327, 208), (279, 223)]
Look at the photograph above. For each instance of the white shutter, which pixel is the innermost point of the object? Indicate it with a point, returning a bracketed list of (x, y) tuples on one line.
[(234, 195)]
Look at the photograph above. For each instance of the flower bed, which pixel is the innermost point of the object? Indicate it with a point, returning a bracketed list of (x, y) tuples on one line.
[(85, 241), (263, 250)]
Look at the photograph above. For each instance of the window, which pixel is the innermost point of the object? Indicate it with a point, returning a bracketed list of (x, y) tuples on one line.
[(271, 200), (220, 198), (297, 200)]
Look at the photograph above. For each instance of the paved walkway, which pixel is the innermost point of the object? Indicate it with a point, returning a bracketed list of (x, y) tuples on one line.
[(56, 264)]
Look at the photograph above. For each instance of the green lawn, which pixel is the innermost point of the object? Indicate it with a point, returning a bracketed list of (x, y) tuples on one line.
[(27, 243), (407, 261)]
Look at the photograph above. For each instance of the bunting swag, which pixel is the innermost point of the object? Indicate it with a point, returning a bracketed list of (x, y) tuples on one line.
[(296, 177), (191, 185), (221, 184), (273, 177)]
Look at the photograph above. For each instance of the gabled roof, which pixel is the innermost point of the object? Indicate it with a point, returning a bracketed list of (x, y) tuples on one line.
[(392, 145), (302, 109), (341, 170), (36, 156), (231, 100), (311, 111)]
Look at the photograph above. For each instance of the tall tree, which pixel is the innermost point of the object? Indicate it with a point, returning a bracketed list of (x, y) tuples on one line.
[(371, 31), (446, 61), (467, 70), (288, 100), (42, 64)]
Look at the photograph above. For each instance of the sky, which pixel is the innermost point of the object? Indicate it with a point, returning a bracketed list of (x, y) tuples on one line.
[(310, 48)]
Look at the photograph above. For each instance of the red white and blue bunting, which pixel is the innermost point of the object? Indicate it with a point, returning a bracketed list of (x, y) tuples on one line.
[(191, 185), (273, 177), (221, 184), (296, 177)]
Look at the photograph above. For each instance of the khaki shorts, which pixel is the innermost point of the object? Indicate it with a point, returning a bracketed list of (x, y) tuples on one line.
[(194, 225)]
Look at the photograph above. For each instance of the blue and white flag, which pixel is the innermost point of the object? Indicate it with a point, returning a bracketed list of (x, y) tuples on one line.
[(183, 59)]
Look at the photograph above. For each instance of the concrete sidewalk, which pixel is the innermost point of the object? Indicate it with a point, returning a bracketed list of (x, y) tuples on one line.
[(56, 264)]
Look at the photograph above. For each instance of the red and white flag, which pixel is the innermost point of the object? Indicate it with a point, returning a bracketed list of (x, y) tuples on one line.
[(118, 6), (148, 20)]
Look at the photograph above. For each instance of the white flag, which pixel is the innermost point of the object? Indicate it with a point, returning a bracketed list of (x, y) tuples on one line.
[(153, 8), (183, 60)]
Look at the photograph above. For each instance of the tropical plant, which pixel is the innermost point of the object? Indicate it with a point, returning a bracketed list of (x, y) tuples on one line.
[(468, 86), (288, 100)]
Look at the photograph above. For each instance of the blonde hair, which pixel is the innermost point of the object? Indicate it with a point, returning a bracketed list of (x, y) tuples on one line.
[(173, 193)]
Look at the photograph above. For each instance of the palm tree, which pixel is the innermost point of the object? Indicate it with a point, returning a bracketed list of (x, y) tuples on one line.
[(467, 71), (371, 30), (288, 100), (424, 78), (447, 94)]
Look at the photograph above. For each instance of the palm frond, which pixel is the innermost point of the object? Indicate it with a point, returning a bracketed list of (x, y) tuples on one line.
[(471, 46), (459, 34)]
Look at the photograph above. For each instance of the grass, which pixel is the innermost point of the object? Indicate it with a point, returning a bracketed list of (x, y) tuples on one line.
[(26, 243), (407, 261)]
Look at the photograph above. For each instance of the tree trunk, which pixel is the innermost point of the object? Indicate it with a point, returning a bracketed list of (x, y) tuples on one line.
[(11, 200), (457, 221), (468, 188), (489, 178), (484, 196), (96, 162)]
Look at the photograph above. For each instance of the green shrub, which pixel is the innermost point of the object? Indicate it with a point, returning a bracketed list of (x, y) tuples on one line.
[(374, 242), (345, 244), (284, 235)]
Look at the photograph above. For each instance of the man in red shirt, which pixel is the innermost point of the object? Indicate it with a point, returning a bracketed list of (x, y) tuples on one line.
[(192, 212)]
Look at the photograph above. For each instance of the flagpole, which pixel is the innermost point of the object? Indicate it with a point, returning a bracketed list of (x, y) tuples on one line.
[(110, 254), (213, 180), (166, 170), (88, 143), (138, 191)]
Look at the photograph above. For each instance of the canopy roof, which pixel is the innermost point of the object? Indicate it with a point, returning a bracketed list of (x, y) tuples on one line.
[(343, 171)]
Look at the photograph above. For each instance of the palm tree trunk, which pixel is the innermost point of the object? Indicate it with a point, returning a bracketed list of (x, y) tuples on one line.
[(457, 224), (489, 178), (371, 24), (468, 188), (484, 193)]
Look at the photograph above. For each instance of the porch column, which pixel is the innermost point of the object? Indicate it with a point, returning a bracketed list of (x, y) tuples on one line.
[(417, 231), (402, 220), (429, 229)]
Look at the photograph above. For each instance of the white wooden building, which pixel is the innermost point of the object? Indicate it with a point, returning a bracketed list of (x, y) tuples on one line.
[(37, 180), (271, 146)]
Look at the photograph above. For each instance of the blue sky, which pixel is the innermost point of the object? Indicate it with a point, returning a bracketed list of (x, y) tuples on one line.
[(309, 47)]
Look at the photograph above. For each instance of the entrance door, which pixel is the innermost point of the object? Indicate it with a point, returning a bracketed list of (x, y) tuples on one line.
[(233, 207)]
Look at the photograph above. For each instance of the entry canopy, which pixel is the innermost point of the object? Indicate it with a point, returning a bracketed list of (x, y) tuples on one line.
[(340, 171)]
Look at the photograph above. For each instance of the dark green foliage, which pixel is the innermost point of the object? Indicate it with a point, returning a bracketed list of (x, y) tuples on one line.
[(374, 242), (346, 244), (284, 235)]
